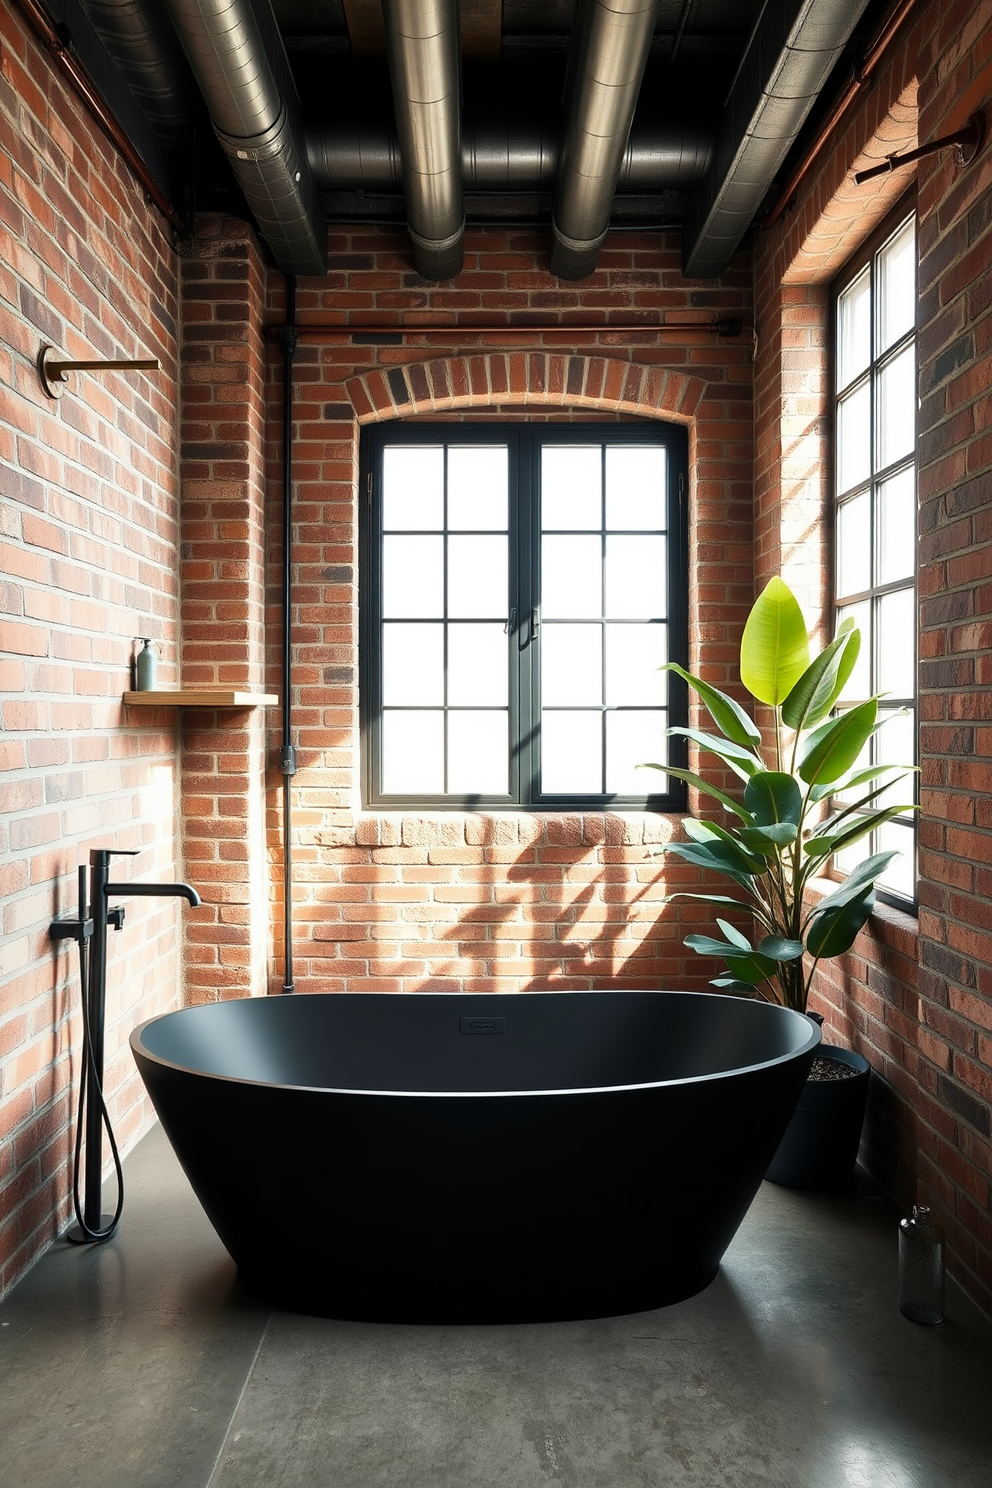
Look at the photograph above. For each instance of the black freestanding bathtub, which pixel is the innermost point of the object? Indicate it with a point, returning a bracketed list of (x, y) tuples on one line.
[(438, 1157)]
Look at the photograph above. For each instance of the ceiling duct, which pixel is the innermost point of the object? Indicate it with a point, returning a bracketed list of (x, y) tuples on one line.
[(139, 38), (422, 45), (792, 50), (515, 155), (605, 72), (236, 54)]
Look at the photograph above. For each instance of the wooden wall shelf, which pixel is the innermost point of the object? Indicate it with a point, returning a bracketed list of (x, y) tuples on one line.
[(201, 697)]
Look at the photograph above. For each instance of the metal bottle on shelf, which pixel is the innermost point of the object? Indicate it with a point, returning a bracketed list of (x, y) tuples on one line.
[(146, 667)]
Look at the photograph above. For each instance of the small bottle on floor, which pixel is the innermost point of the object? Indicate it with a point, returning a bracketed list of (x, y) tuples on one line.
[(921, 1267)]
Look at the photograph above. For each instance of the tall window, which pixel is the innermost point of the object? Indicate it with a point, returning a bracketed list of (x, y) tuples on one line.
[(875, 516), (522, 585)]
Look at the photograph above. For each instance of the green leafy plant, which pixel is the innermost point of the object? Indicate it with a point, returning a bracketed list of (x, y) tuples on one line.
[(782, 838)]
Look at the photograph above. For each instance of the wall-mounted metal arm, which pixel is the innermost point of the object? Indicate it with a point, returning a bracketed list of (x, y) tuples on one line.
[(968, 140), (53, 369)]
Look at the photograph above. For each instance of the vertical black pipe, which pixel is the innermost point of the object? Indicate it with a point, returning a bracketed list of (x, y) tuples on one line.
[(288, 340)]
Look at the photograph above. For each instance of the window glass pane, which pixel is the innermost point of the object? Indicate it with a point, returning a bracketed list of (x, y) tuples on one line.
[(571, 487), (477, 754), (897, 287), (854, 546), (477, 665), (854, 439), (571, 665), (413, 487), (412, 577), (854, 329), (850, 857), (477, 487), (412, 664), (897, 527), (895, 744), (899, 876), (850, 797), (571, 753), (858, 685), (571, 577), (635, 577), (633, 739), (412, 752), (633, 655), (897, 408), (896, 621), (477, 577), (635, 487)]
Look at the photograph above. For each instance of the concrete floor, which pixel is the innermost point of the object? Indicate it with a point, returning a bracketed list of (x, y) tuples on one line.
[(142, 1364)]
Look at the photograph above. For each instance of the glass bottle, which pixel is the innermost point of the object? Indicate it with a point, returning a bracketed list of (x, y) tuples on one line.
[(921, 1267)]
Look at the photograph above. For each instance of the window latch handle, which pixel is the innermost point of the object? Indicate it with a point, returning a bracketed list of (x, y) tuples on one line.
[(511, 621), (535, 622)]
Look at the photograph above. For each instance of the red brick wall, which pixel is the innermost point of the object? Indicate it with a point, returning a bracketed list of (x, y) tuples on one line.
[(915, 999), (487, 901), (88, 538), (223, 545)]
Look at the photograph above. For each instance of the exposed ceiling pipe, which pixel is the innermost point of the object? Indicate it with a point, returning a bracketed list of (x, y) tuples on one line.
[(139, 38), (605, 72), (422, 45), (516, 155), (236, 54), (792, 51)]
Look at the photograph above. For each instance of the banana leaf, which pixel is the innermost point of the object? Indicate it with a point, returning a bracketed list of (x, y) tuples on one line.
[(813, 696), (773, 797), (830, 750), (727, 714), (835, 930), (741, 760), (774, 646)]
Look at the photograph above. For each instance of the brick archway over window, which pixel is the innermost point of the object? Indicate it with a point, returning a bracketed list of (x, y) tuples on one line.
[(540, 378)]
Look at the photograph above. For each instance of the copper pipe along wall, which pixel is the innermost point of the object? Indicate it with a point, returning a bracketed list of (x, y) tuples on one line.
[(860, 80), (44, 27)]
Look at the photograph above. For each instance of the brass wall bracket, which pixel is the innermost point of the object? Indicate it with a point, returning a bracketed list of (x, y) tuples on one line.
[(54, 371)]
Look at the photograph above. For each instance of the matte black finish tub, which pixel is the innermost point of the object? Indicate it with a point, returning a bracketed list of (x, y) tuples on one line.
[(437, 1157)]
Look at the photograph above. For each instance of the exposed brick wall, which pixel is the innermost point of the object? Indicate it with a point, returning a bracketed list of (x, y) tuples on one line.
[(955, 980), (223, 621), (491, 901), (88, 558), (916, 1000)]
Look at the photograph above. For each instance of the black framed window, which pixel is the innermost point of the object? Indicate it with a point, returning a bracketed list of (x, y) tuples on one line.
[(521, 585), (875, 501)]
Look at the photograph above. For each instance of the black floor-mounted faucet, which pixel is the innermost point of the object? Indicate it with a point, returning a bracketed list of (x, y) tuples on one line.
[(93, 1225)]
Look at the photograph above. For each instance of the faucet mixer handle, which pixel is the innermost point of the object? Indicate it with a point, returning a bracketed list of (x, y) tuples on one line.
[(100, 856)]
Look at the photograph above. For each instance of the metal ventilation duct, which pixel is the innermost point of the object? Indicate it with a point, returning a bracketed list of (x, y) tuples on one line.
[(139, 38), (516, 155), (236, 54), (422, 44), (614, 38), (790, 55)]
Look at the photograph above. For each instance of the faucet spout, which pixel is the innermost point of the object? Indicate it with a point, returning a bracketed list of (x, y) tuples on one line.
[(156, 891)]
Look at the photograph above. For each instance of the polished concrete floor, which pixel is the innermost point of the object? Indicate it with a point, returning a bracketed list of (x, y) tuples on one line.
[(142, 1364)]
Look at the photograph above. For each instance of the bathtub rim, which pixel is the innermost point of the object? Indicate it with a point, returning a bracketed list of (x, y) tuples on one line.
[(813, 1041)]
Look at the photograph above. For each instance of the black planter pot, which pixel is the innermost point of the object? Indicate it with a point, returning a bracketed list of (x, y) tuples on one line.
[(820, 1146)]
